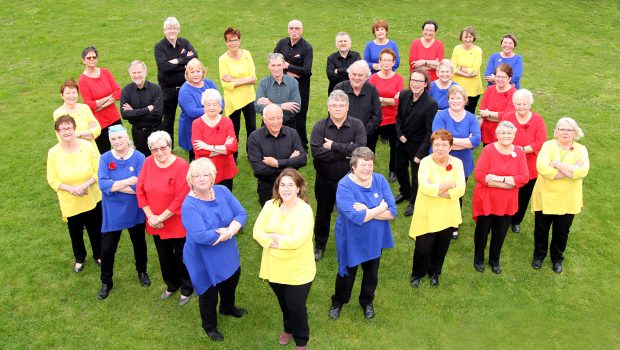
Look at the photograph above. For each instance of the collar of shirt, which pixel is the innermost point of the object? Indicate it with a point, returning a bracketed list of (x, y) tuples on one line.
[(266, 133), (348, 88), (330, 122), (272, 80)]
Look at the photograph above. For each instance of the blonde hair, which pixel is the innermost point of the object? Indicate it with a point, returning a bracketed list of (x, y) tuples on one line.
[(198, 165), (194, 63)]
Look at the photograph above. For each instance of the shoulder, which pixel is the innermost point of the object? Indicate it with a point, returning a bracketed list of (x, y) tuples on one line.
[(379, 180), (137, 155), (180, 163), (183, 41), (209, 84), (354, 122)]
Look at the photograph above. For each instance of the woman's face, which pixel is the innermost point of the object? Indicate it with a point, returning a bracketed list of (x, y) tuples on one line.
[(564, 133), (66, 132), (456, 102), (428, 32), (119, 141), (363, 169), (387, 62), (195, 75), (417, 83), (232, 42), (288, 190), (161, 151), (508, 45), (380, 33), (441, 148), (444, 74), (70, 95), (212, 108), (522, 105), (202, 179), (501, 79), (467, 39), (91, 59), (505, 136)]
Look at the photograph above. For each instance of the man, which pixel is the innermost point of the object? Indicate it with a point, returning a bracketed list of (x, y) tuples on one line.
[(332, 141), (279, 89), (172, 54), (297, 54), (271, 149), (339, 61), (364, 102), (142, 105)]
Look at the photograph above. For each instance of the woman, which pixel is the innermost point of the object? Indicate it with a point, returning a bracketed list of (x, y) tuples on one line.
[(439, 88), (500, 171), (212, 217), (365, 205), (86, 125), (531, 134), (416, 110), (464, 128), (160, 190), (507, 56), (388, 84), (437, 213), (190, 95), (374, 47), (238, 76), (496, 99), (118, 176), (284, 230), (72, 172), (426, 52), (213, 137), (467, 58), (558, 195), (100, 92)]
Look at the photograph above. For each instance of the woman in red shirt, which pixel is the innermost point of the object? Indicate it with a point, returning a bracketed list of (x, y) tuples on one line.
[(497, 99), (426, 52), (161, 190), (500, 172), (213, 136)]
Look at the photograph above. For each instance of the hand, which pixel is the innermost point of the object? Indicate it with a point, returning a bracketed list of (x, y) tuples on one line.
[(403, 139), (275, 240), (490, 78), (376, 66), (294, 75), (383, 205), (200, 145), (229, 140), (81, 190), (150, 107), (224, 233), (252, 80), (484, 113), (359, 206), (190, 53), (263, 101), (294, 154), (397, 96), (290, 106), (173, 61), (127, 107), (153, 221), (227, 78), (328, 143), (416, 160), (493, 177), (418, 63), (270, 161), (130, 181)]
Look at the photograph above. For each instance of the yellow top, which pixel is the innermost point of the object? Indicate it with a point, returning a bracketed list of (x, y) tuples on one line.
[(74, 168), (433, 213), (293, 262), (561, 196), (84, 121), (471, 61), (237, 97)]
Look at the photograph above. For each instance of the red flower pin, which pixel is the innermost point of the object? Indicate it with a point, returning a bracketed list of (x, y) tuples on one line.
[(448, 167), (112, 165), (571, 148), (525, 126), (170, 181)]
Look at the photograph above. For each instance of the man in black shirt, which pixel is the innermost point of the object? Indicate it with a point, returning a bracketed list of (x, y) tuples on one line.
[(271, 149), (339, 61), (172, 55), (332, 141), (298, 54), (142, 104)]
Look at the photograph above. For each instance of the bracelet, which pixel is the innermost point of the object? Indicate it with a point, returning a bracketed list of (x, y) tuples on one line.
[(504, 179)]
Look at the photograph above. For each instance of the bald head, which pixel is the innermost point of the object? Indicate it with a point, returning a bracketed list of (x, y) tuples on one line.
[(295, 29), (273, 118)]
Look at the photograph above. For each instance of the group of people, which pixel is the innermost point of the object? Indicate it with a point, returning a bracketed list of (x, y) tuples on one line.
[(106, 183)]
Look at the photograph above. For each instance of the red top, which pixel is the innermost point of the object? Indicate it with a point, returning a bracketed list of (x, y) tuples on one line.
[(533, 134), (388, 88), (419, 52), (496, 102), (224, 163), (161, 189), (93, 89), (492, 200)]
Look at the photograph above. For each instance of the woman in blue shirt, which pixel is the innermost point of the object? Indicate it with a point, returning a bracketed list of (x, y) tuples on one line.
[(507, 55), (374, 47)]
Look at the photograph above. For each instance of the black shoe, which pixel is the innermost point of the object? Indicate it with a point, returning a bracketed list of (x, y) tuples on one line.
[(435, 281), (318, 254), (104, 291), (409, 210), (479, 267), (237, 312), (415, 282), (384, 140), (369, 311), (215, 335), (496, 269), (537, 264), (557, 267), (516, 228), (145, 281), (399, 198), (334, 312), (392, 177)]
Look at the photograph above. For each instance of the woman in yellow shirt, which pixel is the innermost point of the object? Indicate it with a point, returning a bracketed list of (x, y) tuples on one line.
[(284, 230), (87, 127), (437, 211), (467, 59), (72, 167), (562, 164)]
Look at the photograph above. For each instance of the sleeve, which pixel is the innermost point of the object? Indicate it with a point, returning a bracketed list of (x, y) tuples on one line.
[(240, 215), (295, 162), (368, 53), (477, 61), (523, 175), (484, 101), (395, 48), (345, 198), (183, 60), (133, 114), (582, 156), (441, 51), (139, 163), (261, 91), (439, 122), (482, 166), (181, 188), (157, 113), (256, 158), (189, 105), (427, 187), (90, 118), (230, 132), (455, 57), (52, 175), (87, 96), (316, 142), (105, 183), (540, 136), (162, 61), (197, 134), (196, 227), (259, 233), (140, 193), (459, 180), (116, 89), (295, 92), (517, 71), (490, 66), (375, 118), (399, 115), (360, 140), (94, 160), (412, 56), (301, 230), (386, 191), (428, 121), (474, 130), (330, 69), (545, 156), (305, 70), (224, 70)]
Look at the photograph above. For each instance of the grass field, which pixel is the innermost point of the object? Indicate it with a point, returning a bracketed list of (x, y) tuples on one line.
[(569, 48)]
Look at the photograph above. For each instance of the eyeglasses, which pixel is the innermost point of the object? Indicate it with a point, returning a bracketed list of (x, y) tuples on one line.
[(338, 105), (565, 130), (198, 176), (90, 58), (506, 133), (416, 81), (232, 40), (501, 77), (63, 130), (160, 149)]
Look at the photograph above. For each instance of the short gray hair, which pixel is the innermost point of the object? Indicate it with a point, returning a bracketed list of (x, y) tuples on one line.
[(446, 63), (158, 136), (136, 62), (573, 124), (273, 107), (362, 65), (339, 34), (274, 56), (211, 94), (337, 95), (173, 22), (523, 93), (505, 125)]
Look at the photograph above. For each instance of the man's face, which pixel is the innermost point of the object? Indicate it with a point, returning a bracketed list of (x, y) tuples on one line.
[(343, 43), (295, 29), (338, 110), (137, 74), (276, 67), (273, 121), (357, 76), (172, 32)]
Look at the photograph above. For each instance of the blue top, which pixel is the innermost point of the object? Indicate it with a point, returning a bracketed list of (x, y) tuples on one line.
[(516, 62), (440, 95), (466, 128), (372, 51), (358, 241), (209, 265), (120, 210), (191, 108)]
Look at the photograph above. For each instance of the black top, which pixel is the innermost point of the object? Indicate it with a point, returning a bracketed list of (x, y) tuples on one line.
[(415, 121), (333, 163), (298, 56), (336, 61), (139, 100), (262, 143), (168, 74), (365, 107)]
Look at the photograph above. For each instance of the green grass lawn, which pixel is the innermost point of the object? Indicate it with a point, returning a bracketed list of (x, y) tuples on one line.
[(569, 49)]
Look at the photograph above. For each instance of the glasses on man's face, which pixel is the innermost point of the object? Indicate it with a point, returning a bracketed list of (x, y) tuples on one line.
[(159, 149), (562, 130), (338, 106), (90, 58)]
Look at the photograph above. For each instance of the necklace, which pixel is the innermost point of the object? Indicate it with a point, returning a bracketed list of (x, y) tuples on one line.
[(210, 197), (121, 157)]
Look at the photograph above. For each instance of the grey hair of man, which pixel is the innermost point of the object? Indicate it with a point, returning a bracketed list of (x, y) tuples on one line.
[(274, 56), (272, 109), (360, 64), (337, 95), (339, 34), (136, 62), (172, 22)]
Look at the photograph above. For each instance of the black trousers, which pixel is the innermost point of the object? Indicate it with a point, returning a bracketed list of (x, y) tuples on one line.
[(249, 115), (265, 191), (171, 100), (472, 102), (109, 243), (140, 137), (498, 226), (430, 252), (325, 194), (525, 193), (402, 163), (207, 301), (103, 141), (559, 239), (292, 300), (173, 271), (92, 220), (344, 284), (300, 118), (389, 132), (228, 183)]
